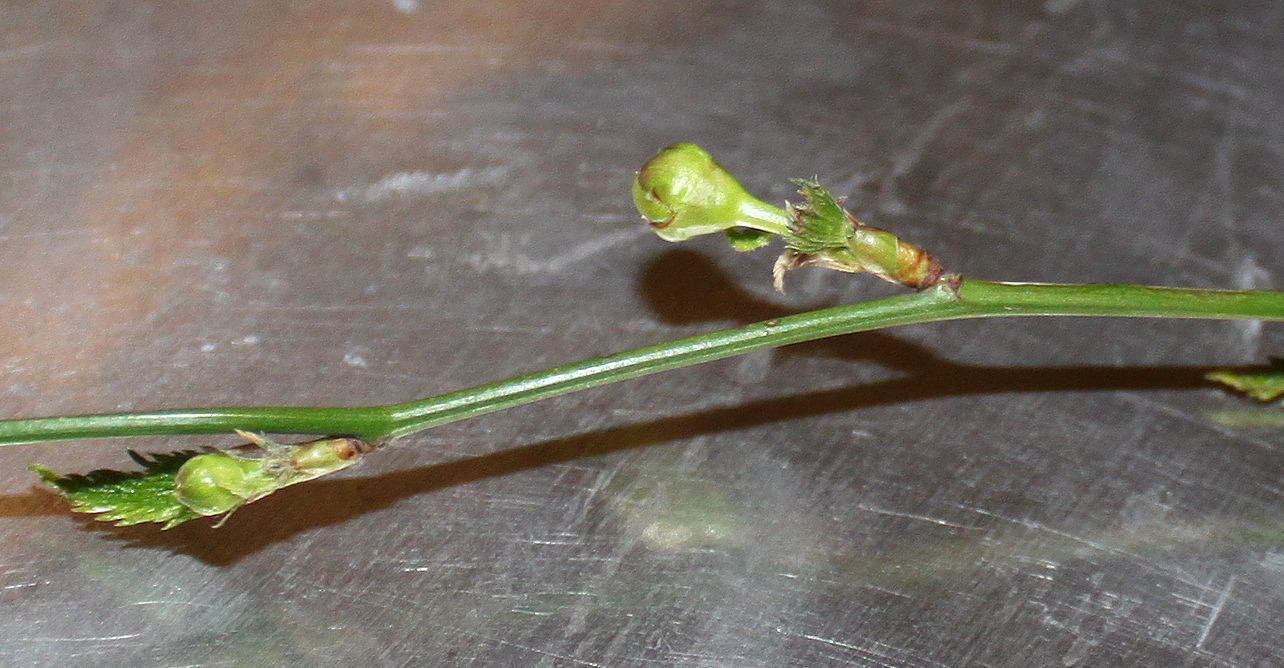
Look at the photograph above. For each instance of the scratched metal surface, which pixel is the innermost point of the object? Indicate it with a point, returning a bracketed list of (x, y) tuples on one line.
[(329, 203)]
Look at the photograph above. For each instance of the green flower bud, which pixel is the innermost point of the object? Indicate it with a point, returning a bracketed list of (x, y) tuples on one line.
[(682, 192), (218, 482)]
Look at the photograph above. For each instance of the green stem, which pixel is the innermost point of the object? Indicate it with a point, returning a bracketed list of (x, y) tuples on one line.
[(368, 422), (973, 299)]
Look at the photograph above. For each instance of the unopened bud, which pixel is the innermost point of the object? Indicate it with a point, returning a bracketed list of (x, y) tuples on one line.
[(683, 192), (218, 482)]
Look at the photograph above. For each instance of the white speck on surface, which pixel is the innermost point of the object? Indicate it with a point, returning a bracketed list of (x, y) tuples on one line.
[(316, 214), (64, 639), (417, 184), (406, 6), (26, 51), (1060, 6), (913, 152), (1250, 275), (23, 585), (667, 536), (754, 368), (248, 340), (355, 359), (1215, 611), (504, 253), (208, 347)]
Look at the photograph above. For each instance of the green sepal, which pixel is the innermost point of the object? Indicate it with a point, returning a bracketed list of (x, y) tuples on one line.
[(746, 239), (1263, 383), (823, 234), (127, 497), (819, 223)]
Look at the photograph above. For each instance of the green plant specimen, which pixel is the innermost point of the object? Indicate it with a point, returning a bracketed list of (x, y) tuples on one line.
[(682, 192)]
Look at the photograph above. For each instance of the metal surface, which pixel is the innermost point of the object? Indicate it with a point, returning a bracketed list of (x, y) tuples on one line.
[(320, 203)]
